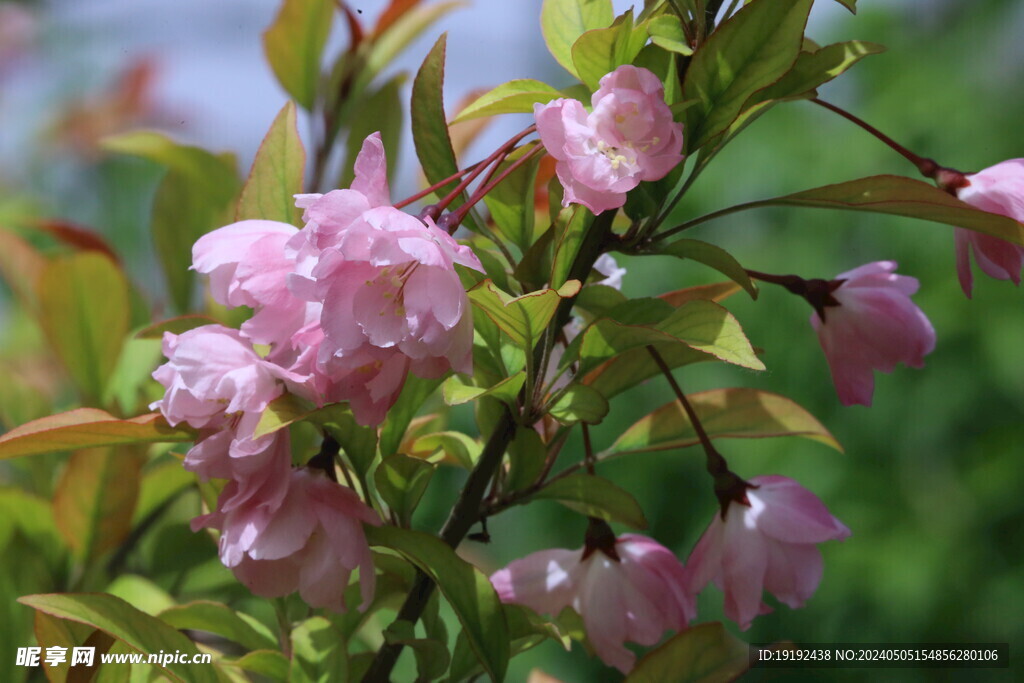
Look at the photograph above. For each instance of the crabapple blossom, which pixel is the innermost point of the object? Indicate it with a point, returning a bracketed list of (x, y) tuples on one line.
[(388, 281), (212, 372), (629, 136), (635, 593), (871, 324), (248, 263), (310, 540), (997, 189), (767, 544)]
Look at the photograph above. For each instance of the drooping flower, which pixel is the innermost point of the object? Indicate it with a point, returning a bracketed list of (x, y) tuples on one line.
[(997, 189), (634, 594), (872, 325), (628, 137), (309, 541), (770, 544)]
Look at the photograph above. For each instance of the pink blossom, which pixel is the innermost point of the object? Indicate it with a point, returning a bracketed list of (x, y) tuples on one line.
[(389, 281), (629, 136), (310, 541), (249, 264), (874, 326), (211, 372), (998, 189), (636, 597), (769, 544), (258, 469)]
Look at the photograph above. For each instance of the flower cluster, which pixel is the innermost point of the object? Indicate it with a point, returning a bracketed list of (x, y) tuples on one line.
[(628, 136), (346, 308), (634, 589)]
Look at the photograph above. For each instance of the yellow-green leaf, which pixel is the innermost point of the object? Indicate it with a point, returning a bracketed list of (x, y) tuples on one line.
[(276, 175), (513, 97), (84, 310), (525, 317), (95, 497), (87, 428), (294, 45), (136, 629), (704, 653), (563, 21), (740, 413)]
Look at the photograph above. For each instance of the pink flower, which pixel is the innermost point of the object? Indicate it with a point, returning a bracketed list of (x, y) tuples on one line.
[(997, 189), (249, 264), (769, 544), (212, 372), (636, 597), (388, 281), (628, 137), (258, 469), (310, 541), (872, 326)]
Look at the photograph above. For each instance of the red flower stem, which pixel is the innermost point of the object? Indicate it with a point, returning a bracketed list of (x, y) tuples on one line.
[(423, 193), (588, 448), (946, 178), (459, 214), (728, 486)]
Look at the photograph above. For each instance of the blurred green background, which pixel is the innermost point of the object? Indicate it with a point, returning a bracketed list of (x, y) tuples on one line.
[(931, 482)]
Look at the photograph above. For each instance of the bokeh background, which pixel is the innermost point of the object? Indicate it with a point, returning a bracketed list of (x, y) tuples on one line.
[(932, 479)]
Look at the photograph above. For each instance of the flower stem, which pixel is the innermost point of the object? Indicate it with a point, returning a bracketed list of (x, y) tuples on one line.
[(729, 487), (467, 509), (948, 179), (710, 216)]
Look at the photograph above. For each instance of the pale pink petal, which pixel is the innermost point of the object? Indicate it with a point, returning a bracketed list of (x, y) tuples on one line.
[(371, 172)]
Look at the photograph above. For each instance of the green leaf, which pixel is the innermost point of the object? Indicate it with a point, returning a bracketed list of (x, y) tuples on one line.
[(632, 367), (197, 195), (294, 45), (401, 482), (522, 318), (432, 657), (276, 175), (563, 22), (414, 394), (400, 34), (456, 392), (269, 663), (740, 413), (579, 403), (902, 196), (214, 617), (666, 31), (513, 97), (570, 227), (94, 499), (380, 111), (595, 497), (87, 428), (713, 257), (849, 4), (600, 51), (318, 653), (511, 202), (700, 654), (285, 410), (140, 593), (749, 51), (702, 325), (527, 454), (813, 69), (458, 448), (84, 310), (136, 629), (429, 130), (466, 589)]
